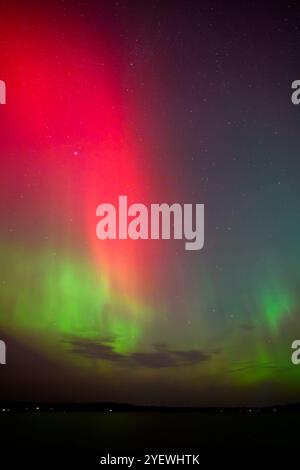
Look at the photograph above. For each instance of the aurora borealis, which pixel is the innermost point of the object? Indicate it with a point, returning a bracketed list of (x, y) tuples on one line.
[(159, 102)]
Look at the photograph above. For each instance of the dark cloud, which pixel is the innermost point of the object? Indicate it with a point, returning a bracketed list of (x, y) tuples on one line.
[(160, 356), (244, 366), (247, 327)]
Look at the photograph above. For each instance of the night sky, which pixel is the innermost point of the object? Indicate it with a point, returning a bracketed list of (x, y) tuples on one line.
[(171, 101)]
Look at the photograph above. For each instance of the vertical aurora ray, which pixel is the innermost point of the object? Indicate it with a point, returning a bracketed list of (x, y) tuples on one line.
[(277, 302), (79, 155), (62, 297)]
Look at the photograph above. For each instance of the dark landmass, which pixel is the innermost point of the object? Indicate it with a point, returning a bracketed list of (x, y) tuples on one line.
[(124, 407)]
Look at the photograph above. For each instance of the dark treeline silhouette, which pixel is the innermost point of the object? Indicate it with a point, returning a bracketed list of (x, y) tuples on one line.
[(123, 407)]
